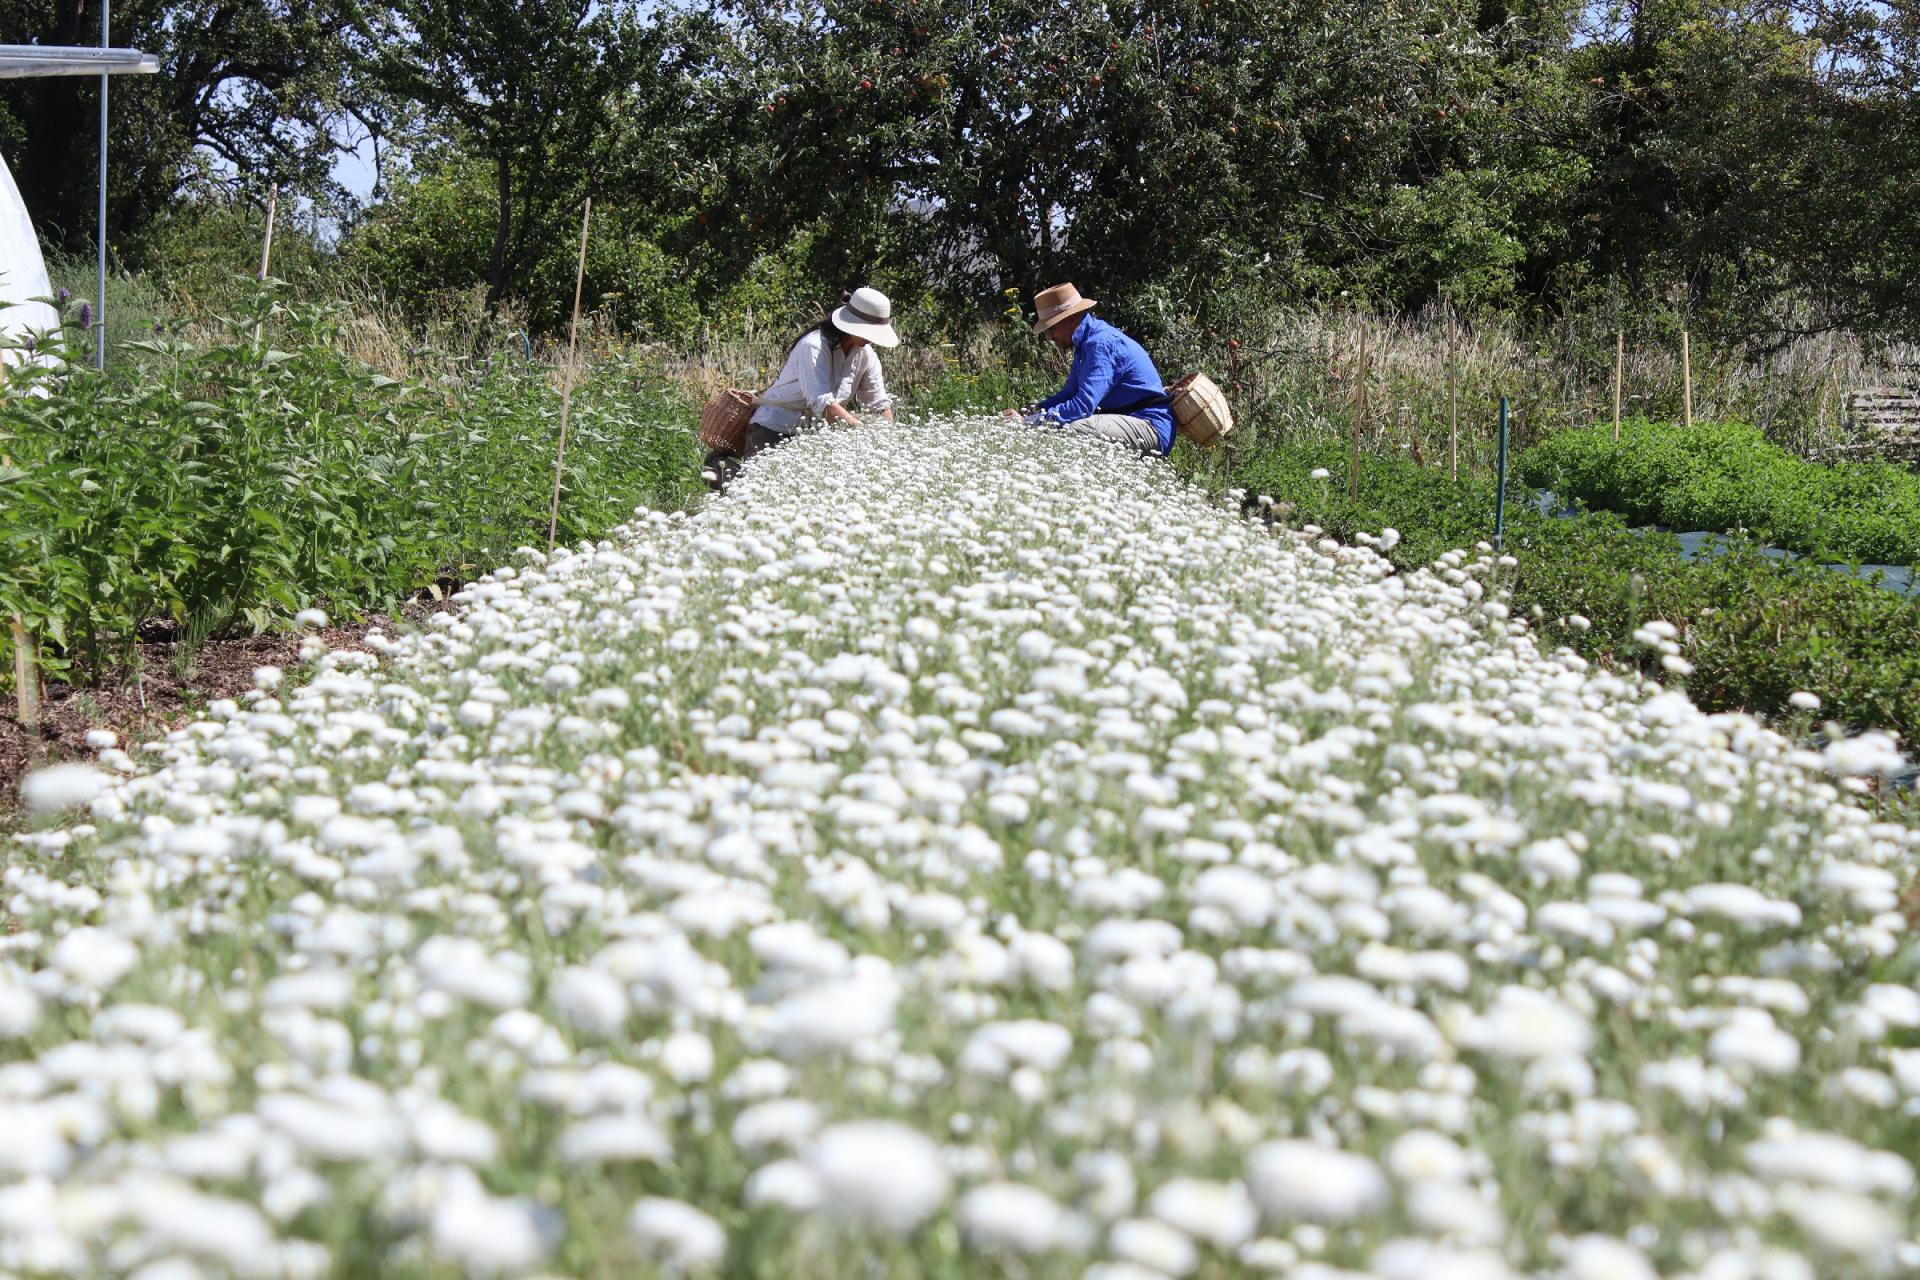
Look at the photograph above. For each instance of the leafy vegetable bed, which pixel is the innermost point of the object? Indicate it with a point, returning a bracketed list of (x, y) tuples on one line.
[(221, 486), (1726, 476), (1755, 630)]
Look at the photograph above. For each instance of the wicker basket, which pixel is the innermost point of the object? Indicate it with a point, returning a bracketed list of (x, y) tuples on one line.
[(1200, 410), (723, 423)]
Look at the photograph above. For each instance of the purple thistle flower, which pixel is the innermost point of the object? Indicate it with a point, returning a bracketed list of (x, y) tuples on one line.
[(32, 344), (86, 315), (65, 293)]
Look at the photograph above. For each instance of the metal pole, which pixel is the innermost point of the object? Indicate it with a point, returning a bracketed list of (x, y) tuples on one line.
[(1500, 494), (100, 280)]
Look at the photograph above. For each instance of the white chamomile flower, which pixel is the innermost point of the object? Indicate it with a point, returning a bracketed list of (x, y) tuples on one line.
[(61, 786), (964, 836), (879, 1173), (678, 1236)]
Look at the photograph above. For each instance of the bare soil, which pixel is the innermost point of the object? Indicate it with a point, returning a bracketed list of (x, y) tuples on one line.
[(148, 699)]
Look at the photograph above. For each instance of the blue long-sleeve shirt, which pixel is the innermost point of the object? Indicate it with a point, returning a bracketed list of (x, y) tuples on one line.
[(1111, 373)]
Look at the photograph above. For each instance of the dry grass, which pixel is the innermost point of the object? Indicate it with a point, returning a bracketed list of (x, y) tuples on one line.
[(752, 358), (1293, 374)]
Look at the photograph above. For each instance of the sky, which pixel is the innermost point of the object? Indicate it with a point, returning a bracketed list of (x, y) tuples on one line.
[(354, 170)]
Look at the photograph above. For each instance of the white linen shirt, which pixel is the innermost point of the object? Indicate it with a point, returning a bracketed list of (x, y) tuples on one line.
[(816, 376)]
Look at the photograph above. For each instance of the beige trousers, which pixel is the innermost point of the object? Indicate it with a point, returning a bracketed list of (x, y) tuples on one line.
[(1120, 428)]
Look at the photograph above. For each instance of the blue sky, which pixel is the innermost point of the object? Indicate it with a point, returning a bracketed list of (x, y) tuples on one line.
[(354, 169)]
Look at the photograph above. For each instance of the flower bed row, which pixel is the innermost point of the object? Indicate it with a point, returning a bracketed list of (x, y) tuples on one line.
[(963, 851), (1754, 630), (1726, 476)]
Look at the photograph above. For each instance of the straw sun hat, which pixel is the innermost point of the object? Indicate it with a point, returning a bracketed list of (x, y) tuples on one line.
[(1056, 304), (867, 314)]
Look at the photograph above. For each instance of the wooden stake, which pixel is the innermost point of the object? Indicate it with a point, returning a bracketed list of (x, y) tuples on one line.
[(1686, 377), (1359, 415), (266, 251), (26, 678), (266, 246), (1619, 361), (566, 383), (1453, 397), (1500, 482)]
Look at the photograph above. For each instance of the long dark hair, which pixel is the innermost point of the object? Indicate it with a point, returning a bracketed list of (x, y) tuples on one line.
[(827, 329)]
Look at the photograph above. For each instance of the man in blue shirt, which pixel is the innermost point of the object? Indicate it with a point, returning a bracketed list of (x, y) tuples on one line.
[(1113, 391)]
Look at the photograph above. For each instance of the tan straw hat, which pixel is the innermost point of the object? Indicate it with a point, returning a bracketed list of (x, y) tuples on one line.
[(867, 314), (1056, 304)]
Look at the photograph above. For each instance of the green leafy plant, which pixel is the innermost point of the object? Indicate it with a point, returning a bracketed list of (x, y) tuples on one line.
[(230, 484), (1727, 476)]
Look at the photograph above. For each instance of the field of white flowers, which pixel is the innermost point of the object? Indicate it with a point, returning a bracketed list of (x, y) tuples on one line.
[(961, 851)]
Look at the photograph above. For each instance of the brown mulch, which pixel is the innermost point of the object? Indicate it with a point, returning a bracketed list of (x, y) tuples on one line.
[(144, 701)]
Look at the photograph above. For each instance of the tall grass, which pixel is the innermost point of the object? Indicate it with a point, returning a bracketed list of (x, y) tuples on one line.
[(1292, 379), (135, 303), (1291, 376)]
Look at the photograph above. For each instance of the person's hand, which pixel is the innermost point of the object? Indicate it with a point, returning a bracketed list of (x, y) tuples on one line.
[(1013, 414)]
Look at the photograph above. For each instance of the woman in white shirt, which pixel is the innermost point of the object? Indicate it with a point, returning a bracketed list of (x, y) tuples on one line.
[(832, 366)]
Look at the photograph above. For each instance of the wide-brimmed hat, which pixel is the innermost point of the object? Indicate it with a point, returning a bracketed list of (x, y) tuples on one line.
[(867, 314), (1056, 304)]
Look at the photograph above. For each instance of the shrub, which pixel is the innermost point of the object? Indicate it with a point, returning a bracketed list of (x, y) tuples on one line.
[(429, 243), (1727, 476)]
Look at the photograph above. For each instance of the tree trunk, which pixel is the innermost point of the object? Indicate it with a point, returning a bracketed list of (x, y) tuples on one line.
[(503, 227)]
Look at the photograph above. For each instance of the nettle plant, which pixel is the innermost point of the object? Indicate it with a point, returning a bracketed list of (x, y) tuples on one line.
[(232, 482)]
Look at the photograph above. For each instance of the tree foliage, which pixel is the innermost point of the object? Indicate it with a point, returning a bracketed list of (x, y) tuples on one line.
[(543, 91), (249, 93), (1755, 159), (1747, 163)]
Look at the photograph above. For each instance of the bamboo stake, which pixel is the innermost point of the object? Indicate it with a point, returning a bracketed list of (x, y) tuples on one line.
[(1500, 490), (1619, 361), (566, 383), (266, 246), (266, 251), (26, 678), (1453, 396), (1686, 377), (1359, 416)]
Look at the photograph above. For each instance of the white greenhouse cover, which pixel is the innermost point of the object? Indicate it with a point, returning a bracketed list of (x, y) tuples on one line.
[(23, 272)]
